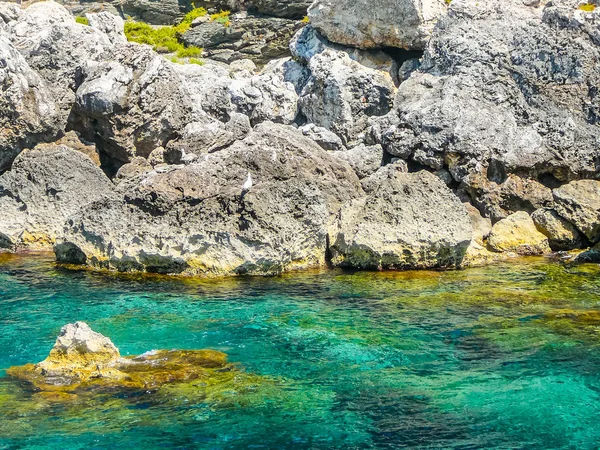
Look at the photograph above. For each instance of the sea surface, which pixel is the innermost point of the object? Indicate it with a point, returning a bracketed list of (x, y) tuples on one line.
[(501, 357)]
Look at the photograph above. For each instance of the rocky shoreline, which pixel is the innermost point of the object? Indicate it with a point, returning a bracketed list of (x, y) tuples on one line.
[(397, 135)]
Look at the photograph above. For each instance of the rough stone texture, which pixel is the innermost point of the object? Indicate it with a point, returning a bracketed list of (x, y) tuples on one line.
[(517, 233), (195, 219), (364, 160), (506, 88), (291, 9), (28, 113), (109, 24), (43, 188), (72, 140), (326, 139), (196, 139), (561, 234), (342, 94), (246, 36), (498, 200), (57, 47), (9, 12), (407, 220), (404, 24), (579, 203), (131, 104)]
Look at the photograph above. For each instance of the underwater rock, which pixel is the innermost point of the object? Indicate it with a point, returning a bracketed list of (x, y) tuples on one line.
[(83, 361), (517, 233)]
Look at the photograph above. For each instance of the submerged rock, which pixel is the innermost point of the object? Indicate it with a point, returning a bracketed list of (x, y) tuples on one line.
[(83, 361)]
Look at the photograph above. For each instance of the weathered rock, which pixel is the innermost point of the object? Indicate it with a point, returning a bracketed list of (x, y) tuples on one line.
[(407, 220), (83, 362), (28, 113), (198, 138), (364, 160), (195, 219), (57, 47), (404, 24), (72, 140), (342, 94), (131, 104), (579, 203), (326, 139), (561, 234), (500, 199), (477, 253), (9, 12), (517, 233), (482, 226), (506, 88), (245, 36), (135, 169), (43, 188), (291, 9), (109, 24)]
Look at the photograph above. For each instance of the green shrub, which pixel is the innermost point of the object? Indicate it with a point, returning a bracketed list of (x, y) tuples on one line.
[(196, 61), (222, 18), (589, 7), (189, 52), (82, 20)]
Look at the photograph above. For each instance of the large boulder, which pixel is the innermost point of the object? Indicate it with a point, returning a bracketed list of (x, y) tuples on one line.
[(561, 234), (58, 48), (579, 203), (407, 220), (44, 187), (131, 104), (28, 113), (403, 24), (505, 88), (518, 233), (291, 9), (197, 219)]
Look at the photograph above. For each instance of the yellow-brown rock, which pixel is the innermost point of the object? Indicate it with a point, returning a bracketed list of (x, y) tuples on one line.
[(517, 233)]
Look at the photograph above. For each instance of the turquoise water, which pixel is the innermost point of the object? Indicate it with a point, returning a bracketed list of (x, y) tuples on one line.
[(499, 357)]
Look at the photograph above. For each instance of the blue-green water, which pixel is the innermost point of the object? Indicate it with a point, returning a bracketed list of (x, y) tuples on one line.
[(506, 356)]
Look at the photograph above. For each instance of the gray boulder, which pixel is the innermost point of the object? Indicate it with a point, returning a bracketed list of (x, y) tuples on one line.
[(43, 188), (561, 234), (109, 24), (291, 9), (196, 219), (579, 203), (28, 113), (404, 24), (365, 160), (407, 220), (326, 139), (57, 48), (131, 104), (506, 89)]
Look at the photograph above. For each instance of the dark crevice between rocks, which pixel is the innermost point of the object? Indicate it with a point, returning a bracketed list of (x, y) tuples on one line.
[(407, 62)]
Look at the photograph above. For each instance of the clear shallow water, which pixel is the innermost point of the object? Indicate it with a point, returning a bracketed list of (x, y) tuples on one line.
[(499, 357)]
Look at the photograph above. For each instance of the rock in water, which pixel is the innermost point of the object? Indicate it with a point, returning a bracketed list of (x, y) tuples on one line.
[(194, 219), (403, 24), (408, 220), (518, 233)]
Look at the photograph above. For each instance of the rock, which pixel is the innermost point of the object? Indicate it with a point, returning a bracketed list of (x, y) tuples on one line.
[(505, 90), (364, 160), (28, 113), (342, 94), (481, 226), (579, 203), (157, 157), (406, 24), (9, 12), (195, 220), (518, 233), (131, 104), (135, 169), (198, 138), (57, 47), (326, 139), (477, 253), (242, 68), (290, 9), (43, 188), (86, 363), (500, 199), (265, 97), (169, 12), (109, 24), (561, 234), (72, 140), (245, 36), (407, 220)]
